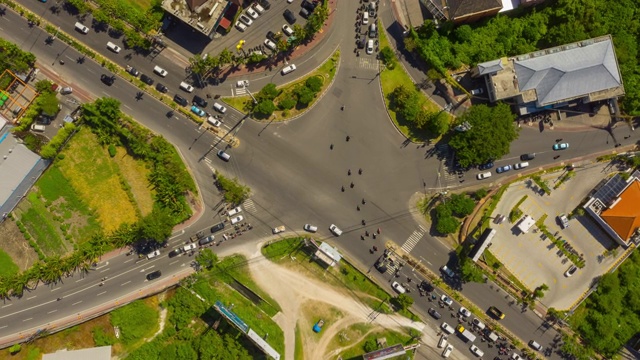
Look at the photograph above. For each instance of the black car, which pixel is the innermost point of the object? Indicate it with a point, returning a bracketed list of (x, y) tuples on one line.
[(381, 266), (308, 5), (160, 87), (525, 157), (486, 166), (424, 285), (154, 275), (146, 79), (271, 35), (305, 13), (43, 120), (436, 315), (108, 80), (265, 4), (217, 227), (180, 100), (288, 15), (362, 41), (197, 100), (175, 252)]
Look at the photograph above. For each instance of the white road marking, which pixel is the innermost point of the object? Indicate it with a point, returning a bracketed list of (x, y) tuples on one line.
[(52, 311), (29, 298), (102, 293), (56, 289), (123, 284), (27, 319), (76, 303), (6, 306)]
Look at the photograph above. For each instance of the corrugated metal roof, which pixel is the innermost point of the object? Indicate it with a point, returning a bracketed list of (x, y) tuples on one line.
[(16, 166), (569, 73)]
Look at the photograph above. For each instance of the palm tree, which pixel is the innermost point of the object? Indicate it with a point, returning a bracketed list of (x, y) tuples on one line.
[(4, 287), (72, 262), (17, 283), (53, 270), (34, 274)]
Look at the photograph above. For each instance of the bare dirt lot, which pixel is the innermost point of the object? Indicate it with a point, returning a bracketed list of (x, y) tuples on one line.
[(296, 293), (14, 244)]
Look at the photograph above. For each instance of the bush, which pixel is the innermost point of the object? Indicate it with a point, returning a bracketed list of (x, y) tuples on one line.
[(305, 96), (287, 103), (268, 92), (264, 109), (388, 57), (15, 349), (112, 150), (314, 83)]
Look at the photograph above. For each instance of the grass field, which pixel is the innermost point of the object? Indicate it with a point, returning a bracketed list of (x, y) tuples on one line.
[(7, 266), (135, 173), (393, 338), (41, 226), (94, 177), (391, 79), (136, 322)]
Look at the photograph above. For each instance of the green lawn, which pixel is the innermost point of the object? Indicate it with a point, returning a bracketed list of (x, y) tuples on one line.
[(41, 227), (7, 266), (326, 71), (391, 79), (393, 338)]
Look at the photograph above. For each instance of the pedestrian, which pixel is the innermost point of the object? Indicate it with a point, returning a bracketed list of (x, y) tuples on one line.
[(352, 185), (342, 189), (359, 171), (364, 222), (358, 207), (348, 137), (363, 202), (349, 172), (331, 146)]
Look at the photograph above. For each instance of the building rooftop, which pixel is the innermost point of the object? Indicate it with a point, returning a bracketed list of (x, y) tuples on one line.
[(201, 15), (460, 8), (583, 69), (624, 214)]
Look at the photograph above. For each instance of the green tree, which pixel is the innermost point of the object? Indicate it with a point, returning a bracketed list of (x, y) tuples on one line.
[(234, 193), (438, 123), (489, 125), (264, 109), (268, 92), (370, 345), (287, 103), (388, 57), (48, 103), (469, 271), (461, 205), (314, 83), (181, 350), (43, 86), (207, 258), (157, 225), (305, 95), (404, 301), (225, 57)]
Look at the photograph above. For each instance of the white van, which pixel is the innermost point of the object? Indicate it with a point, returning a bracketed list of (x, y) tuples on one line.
[(113, 47), (447, 351), (83, 29), (521, 165), (36, 127), (160, 71), (258, 8), (186, 87), (443, 341), (365, 19)]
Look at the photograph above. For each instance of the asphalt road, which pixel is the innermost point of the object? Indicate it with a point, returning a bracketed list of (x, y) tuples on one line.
[(295, 176)]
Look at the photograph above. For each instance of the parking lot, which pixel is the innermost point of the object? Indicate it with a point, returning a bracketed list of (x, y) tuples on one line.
[(533, 258), (256, 33)]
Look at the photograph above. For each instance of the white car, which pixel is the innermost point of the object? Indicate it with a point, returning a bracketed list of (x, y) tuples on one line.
[(270, 44), (447, 300), (477, 323), (310, 228), (484, 175), (515, 356), (335, 230), (251, 12), (213, 121), (245, 19), (288, 69), (476, 351), (447, 328), (160, 71), (242, 84), (287, 30), (153, 254), (236, 219), (278, 230), (398, 288), (240, 26), (370, 47), (464, 312), (219, 108), (570, 271), (189, 247), (235, 211), (289, 1)]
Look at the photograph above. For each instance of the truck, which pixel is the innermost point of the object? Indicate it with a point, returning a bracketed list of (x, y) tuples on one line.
[(199, 235), (466, 334)]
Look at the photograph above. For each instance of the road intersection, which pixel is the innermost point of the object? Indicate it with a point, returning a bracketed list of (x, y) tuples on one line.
[(296, 169)]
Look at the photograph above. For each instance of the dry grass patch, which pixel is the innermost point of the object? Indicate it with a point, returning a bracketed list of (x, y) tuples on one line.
[(135, 173), (94, 177)]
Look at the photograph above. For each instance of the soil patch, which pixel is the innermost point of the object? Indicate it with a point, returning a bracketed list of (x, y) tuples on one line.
[(14, 244)]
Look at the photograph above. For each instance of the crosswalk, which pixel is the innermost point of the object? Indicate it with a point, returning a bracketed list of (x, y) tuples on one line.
[(249, 206), (368, 63), (240, 91), (413, 239)]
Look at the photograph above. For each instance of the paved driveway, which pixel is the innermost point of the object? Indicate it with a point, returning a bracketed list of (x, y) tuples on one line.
[(536, 261)]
